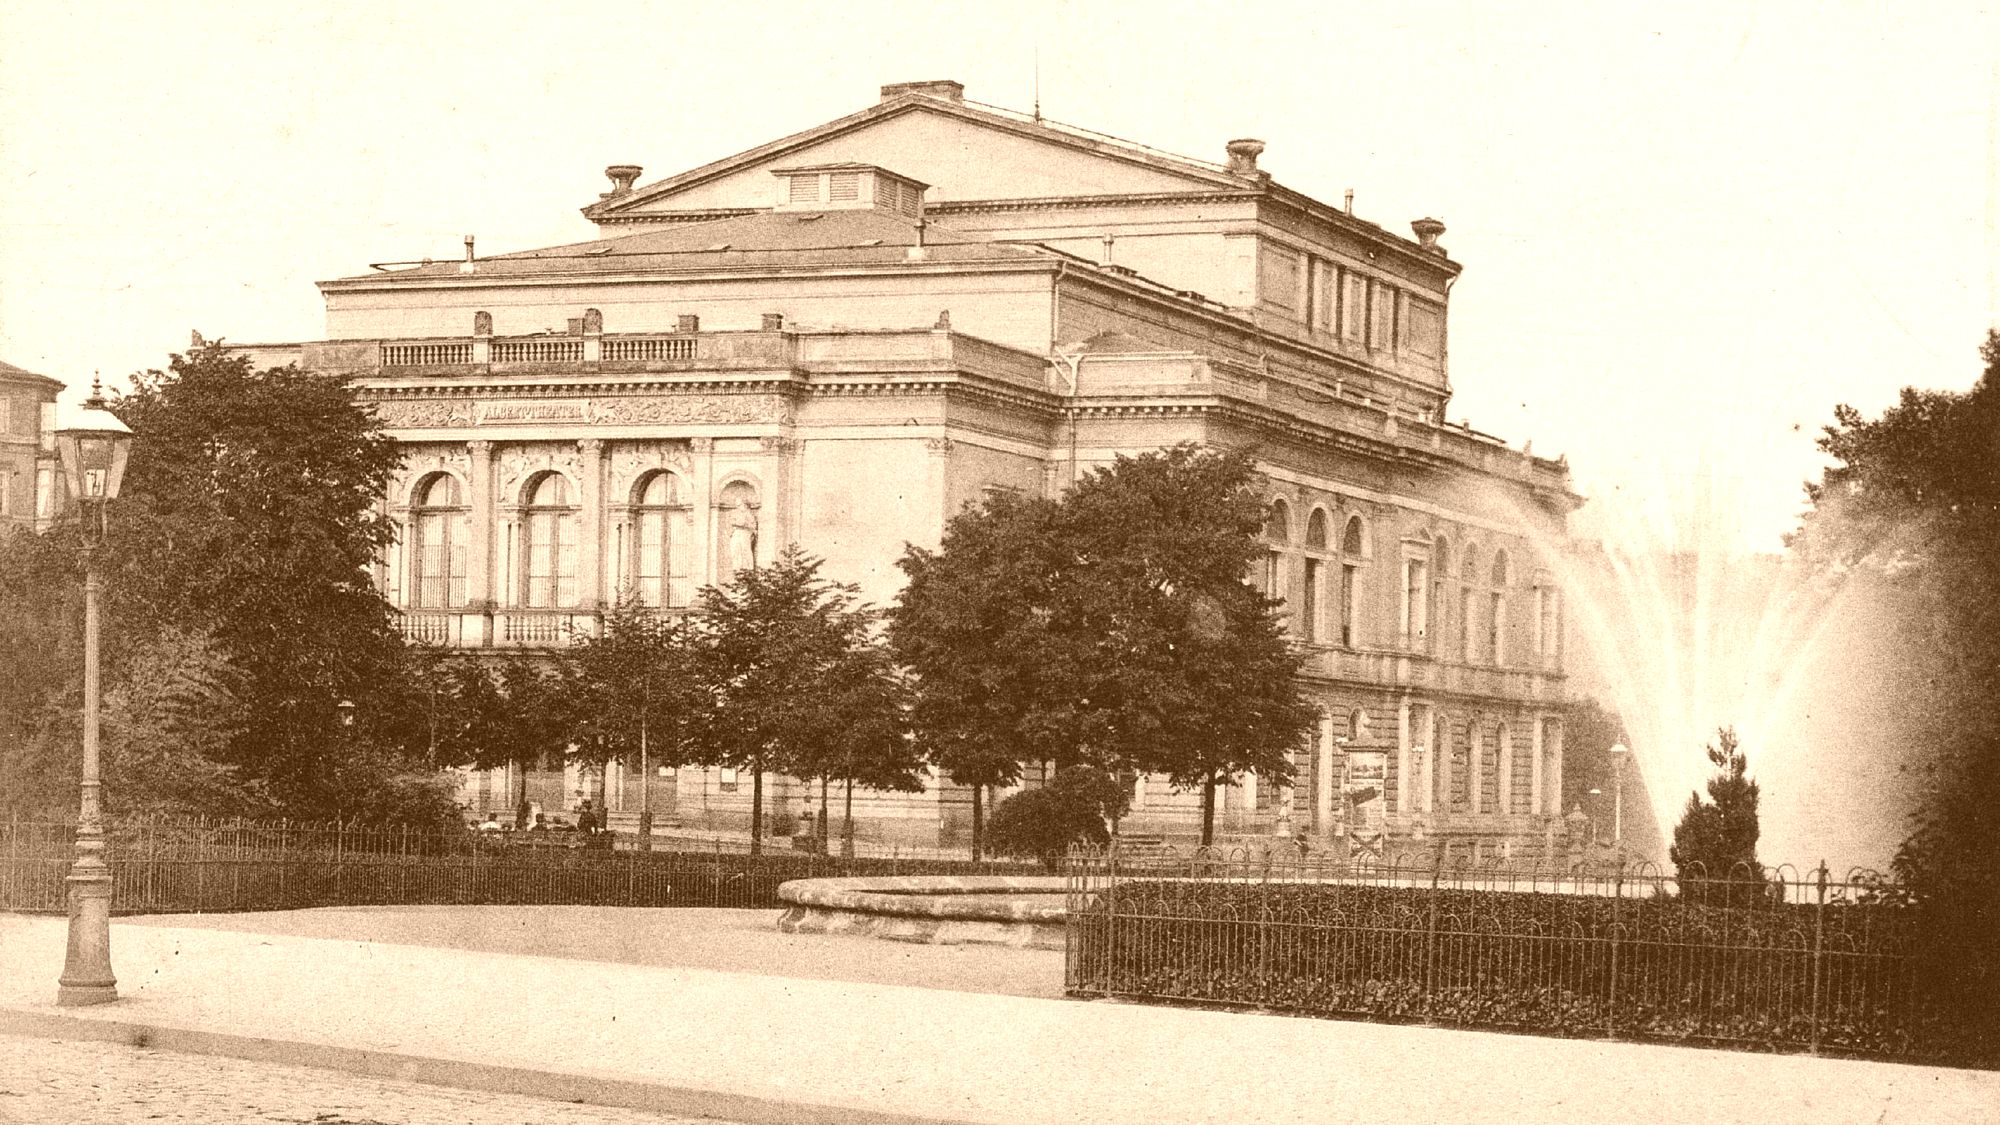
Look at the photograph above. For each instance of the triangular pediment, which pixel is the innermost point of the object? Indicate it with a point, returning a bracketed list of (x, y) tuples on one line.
[(962, 152)]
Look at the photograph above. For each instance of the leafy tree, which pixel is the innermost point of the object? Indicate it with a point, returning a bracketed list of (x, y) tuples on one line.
[(1111, 628), (1075, 807), (770, 644), (634, 694), (1716, 839), (1909, 508), (251, 514), (867, 742)]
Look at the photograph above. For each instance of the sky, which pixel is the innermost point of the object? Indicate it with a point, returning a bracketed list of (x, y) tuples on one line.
[(1686, 233)]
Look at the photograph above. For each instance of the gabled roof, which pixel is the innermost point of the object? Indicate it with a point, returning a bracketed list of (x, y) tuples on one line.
[(777, 239), (1198, 174), (12, 374)]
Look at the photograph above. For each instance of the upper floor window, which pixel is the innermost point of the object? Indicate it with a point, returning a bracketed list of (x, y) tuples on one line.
[(1416, 599), (1496, 642), (655, 500), (1440, 598), (1277, 536), (1314, 595), (438, 532), (1468, 576), (1353, 551), (549, 536)]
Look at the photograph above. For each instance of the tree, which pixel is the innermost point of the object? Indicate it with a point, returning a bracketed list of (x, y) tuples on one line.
[(1909, 509), (1075, 807), (1112, 628), (634, 694), (865, 705), (1716, 839), (251, 514), (771, 645)]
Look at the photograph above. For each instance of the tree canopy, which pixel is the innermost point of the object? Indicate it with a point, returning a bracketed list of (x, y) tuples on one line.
[(1912, 503), (1112, 628)]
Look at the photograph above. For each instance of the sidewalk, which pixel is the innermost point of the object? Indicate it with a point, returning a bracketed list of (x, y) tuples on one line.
[(763, 1048)]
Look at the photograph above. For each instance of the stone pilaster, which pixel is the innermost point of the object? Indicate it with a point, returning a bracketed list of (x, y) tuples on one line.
[(590, 526)]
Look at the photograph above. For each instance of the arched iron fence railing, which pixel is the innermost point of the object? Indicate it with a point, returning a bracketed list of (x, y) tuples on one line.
[(1766, 958)]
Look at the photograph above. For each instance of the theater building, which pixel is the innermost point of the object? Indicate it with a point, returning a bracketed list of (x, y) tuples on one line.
[(842, 337)]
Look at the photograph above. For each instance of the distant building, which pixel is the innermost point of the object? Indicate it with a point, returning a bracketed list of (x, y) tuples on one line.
[(841, 337), (30, 477)]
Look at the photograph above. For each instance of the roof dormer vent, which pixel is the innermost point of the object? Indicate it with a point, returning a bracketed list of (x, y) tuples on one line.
[(838, 187)]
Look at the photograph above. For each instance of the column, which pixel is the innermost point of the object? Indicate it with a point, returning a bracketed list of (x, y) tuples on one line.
[(590, 527), (1475, 757), (1555, 766), (1427, 726), (479, 584), (1535, 804), (1505, 759), (1323, 779), (1439, 783), (1403, 760), (701, 452)]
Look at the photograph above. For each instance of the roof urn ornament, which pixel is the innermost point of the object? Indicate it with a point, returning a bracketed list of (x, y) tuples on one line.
[(1428, 231)]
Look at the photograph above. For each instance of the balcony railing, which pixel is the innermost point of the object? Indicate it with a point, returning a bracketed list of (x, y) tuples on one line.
[(425, 355), (538, 351), (653, 348)]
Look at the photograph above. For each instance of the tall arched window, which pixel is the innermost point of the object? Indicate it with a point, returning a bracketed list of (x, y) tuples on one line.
[(1353, 550), (1277, 536), (1314, 596), (1440, 596), (1496, 621), (1468, 575), (549, 533), (437, 543), (654, 501)]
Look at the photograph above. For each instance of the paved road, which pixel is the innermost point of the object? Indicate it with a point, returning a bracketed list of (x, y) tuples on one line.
[(82, 1083), (726, 941)]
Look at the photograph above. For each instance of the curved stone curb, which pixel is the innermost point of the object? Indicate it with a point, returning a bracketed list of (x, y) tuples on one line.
[(935, 909)]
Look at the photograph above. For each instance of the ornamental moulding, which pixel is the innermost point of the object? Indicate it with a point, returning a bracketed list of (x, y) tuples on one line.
[(656, 410)]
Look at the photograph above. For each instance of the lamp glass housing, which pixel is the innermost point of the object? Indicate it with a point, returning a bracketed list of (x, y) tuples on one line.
[(94, 448)]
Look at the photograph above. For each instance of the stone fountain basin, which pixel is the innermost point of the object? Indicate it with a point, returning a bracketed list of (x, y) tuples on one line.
[(1024, 911)]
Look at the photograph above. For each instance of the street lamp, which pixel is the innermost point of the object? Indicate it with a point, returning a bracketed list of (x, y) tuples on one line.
[(93, 448), (1618, 755), (1596, 815)]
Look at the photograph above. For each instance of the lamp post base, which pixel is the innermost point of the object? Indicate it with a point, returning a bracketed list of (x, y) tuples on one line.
[(86, 977)]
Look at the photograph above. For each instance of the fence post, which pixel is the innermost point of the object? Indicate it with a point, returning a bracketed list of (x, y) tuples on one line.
[(1611, 1004), (1431, 929), (1818, 960)]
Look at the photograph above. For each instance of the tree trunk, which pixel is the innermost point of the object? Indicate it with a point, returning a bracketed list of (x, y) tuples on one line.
[(847, 825), (757, 807), (819, 824), (645, 791), (1208, 812), (520, 794), (978, 821)]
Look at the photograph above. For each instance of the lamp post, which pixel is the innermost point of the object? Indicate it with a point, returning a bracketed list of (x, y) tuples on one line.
[(93, 449), (1618, 755), (1596, 815)]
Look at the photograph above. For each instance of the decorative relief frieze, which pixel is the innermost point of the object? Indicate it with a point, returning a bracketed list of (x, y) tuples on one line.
[(647, 410), (419, 461), (631, 460), (519, 462)]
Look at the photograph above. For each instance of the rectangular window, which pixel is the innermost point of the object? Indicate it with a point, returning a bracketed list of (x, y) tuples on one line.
[(1353, 306), (1495, 635), (1325, 296), (1312, 600), (6, 494), (1381, 315), (1350, 605), (1465, 612), (1416, 596)]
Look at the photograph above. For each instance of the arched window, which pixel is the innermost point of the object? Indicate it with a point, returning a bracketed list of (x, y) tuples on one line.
[(1277, 536), (1468, 575), (437, 543), (1496, 621), (549, 533), (1440, 592), (1353, 549), (1314, 596), (654, 499)]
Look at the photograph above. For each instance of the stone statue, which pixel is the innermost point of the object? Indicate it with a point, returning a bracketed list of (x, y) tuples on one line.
[(742, 537)]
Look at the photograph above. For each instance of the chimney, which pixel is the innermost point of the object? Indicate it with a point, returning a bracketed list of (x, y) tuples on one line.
[(945, 90), (1243, 154), (467, 266), (688, 322), (774, 322), (622, 176), (1428, 230)]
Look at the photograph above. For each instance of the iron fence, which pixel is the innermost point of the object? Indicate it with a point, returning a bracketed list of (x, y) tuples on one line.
[(1769, 960), (187, 866)]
